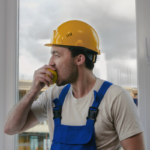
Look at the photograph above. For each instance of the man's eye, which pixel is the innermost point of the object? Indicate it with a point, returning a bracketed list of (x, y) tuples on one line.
[(56, 55)]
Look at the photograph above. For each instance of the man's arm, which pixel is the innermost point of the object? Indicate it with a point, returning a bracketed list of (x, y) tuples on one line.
[(135, 142), (21, 118), (30, 122)]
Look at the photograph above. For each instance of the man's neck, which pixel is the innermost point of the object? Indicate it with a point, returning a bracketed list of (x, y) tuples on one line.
[(84, 84)]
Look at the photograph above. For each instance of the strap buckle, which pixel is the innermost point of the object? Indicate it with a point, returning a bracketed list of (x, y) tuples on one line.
[(57, 112), (92, 113)]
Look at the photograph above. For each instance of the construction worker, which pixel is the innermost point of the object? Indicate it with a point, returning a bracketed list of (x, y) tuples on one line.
[(83, 111)]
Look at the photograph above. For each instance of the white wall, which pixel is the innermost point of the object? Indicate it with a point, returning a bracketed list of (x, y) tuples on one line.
[(143, 33), (8, 67)]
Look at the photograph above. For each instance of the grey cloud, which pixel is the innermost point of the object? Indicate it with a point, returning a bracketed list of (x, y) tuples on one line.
[(122, 72), (117, 34), (38, 51)]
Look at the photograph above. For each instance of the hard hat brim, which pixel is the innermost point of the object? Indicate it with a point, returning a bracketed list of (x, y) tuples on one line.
[(50, 44)]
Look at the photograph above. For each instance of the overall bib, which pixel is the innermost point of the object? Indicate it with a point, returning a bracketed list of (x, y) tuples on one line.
[(76, 137)]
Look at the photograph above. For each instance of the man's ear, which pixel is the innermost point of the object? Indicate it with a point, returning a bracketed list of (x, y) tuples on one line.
[(80, 59)]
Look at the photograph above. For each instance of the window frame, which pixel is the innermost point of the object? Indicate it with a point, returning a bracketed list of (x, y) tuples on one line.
[(9, 60), (8, 65), (143, 68)]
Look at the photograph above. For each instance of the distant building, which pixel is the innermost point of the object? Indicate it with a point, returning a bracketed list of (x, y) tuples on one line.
[(36, 138)]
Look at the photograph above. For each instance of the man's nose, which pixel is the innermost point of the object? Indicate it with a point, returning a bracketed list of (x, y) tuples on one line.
[(51, 62)]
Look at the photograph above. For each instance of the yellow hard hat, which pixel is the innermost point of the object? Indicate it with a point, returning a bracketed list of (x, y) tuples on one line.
[(75, 33)]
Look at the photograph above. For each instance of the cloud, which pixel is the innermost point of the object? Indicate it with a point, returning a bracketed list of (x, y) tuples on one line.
[(114, 22), (122, 72), (116, 30), (100, 67)]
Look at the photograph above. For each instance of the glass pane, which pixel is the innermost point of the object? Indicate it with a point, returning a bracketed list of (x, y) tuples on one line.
[(114, 22)]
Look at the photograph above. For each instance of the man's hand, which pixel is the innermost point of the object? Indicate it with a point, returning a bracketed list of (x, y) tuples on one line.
[(41, 79), (135, 142)]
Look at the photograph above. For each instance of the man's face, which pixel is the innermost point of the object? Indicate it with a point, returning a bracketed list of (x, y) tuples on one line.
[(64, 64)]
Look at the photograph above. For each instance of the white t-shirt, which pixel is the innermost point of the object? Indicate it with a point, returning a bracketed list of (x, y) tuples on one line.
[(117, 118)]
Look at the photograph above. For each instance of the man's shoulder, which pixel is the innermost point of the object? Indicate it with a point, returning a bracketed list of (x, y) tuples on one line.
[(114, 89)]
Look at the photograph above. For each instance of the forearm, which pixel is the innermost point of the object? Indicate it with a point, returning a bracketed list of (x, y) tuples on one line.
[(18, 115)]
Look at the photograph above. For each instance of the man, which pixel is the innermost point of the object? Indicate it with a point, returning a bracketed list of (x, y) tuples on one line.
[(73, 123)]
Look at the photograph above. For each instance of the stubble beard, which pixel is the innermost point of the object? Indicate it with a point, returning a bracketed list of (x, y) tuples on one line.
[(71, 75)]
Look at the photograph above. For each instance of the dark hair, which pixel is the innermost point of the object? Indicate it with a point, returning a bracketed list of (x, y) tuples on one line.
[(75, 51)]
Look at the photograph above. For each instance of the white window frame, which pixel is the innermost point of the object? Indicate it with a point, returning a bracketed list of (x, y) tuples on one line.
[(9, 65), (143, 65)]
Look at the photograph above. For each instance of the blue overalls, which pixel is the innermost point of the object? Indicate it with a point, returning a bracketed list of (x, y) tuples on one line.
[(76, 137)]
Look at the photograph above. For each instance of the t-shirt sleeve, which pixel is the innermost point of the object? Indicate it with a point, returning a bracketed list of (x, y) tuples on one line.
[(125, 116), (39, 108)]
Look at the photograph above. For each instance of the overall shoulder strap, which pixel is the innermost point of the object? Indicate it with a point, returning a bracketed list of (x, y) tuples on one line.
[(98, 96), (58, 105), (60, 101), (64, 93)]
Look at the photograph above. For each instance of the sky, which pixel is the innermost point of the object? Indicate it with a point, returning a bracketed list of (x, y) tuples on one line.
[(114, 21)]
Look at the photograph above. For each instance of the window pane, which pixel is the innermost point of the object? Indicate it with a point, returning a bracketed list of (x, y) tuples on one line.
[(115, 25)]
